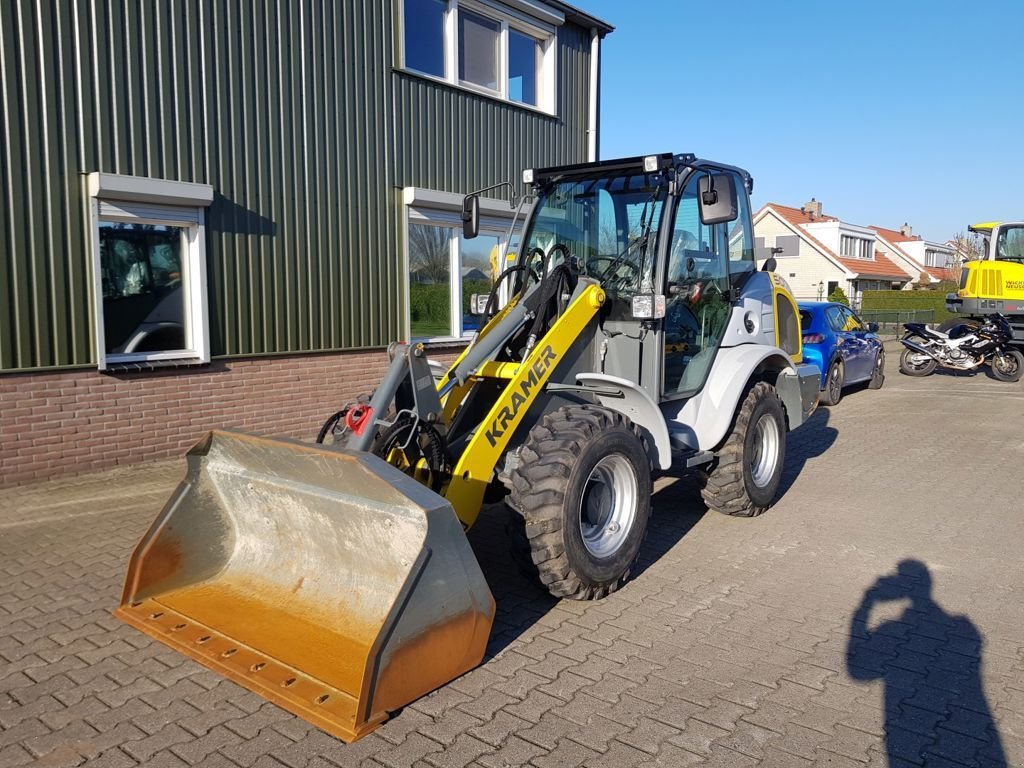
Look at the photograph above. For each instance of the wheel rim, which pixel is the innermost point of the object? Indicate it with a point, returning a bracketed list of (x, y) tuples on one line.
[(917, 361), (608, 505), (1007, 364), (765, 457), (879, 364), (835, 386)]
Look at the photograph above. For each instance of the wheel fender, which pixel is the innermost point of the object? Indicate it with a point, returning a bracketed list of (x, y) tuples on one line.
[(704, 420), (627, 398)]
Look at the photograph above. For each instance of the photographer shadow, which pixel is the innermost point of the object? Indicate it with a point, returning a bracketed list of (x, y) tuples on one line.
[(930, 664)]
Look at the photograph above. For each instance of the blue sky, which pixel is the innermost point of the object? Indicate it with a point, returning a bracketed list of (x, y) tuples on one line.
[(885, 111)]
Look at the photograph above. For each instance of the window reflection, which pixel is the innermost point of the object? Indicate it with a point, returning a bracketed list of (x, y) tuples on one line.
[(424, 36), (141, 277)]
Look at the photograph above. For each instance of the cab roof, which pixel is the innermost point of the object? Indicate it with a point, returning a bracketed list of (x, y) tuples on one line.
[(984, 227)]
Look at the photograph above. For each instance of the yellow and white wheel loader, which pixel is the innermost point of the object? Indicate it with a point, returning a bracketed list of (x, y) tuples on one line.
[(995, 282), (636, 336)]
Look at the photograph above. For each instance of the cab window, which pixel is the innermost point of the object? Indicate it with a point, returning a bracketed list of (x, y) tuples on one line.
[(1010, 244)]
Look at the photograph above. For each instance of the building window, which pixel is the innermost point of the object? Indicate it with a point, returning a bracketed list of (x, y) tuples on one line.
[(854, 247), (424, 36), (445, 269), (473, 45), (149, 262), (934, 258), (525, 57), (479, 44)]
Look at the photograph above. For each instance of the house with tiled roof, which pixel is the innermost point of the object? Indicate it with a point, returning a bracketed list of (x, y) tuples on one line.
[(937, 259), (817, 252)]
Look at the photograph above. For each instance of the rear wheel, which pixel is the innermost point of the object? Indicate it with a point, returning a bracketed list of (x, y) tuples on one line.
[(878, 372), (582, 498), (914, 363), (834, 380), (1007, 365), (747, 470)]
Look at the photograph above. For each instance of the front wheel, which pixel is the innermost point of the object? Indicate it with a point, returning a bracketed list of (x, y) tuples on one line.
[(833, 391), (1007, 365), (581, 497), (878, 372), (914, 363), (748, 468)]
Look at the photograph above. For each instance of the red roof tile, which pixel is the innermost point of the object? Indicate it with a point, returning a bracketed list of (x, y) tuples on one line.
[(894, 235), (942, 273)]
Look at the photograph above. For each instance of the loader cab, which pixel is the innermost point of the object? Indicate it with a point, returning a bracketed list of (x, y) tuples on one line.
[(666, 228)]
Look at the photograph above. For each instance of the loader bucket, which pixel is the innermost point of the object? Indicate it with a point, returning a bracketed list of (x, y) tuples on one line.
[(324, 580)]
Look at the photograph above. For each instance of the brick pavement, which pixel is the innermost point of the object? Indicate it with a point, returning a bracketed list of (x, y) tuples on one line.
[(738, 643)]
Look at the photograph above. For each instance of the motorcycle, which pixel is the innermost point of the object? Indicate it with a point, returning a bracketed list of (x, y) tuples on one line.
[(962, 348)]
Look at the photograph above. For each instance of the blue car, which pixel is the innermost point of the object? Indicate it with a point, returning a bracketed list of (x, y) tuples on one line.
[(844, 347)]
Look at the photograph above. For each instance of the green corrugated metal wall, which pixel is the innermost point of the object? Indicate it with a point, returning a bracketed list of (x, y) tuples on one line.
[(290, 110)]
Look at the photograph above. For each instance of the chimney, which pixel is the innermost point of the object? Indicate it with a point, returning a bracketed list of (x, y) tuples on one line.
[(906, 230), (812, 209)]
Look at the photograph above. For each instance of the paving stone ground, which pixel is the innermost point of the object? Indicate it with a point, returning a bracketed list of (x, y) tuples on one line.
[(793, 639)]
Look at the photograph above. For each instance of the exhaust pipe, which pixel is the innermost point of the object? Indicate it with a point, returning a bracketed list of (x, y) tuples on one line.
[(918, 348)]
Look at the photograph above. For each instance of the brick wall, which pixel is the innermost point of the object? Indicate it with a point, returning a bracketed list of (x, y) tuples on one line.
[(55, 424)]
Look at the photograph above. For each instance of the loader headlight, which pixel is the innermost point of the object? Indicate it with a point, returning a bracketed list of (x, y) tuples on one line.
[(648, 306), (528, 176), (650, 163)]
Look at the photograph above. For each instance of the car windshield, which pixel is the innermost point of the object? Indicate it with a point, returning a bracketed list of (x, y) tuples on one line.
[(609, 224)]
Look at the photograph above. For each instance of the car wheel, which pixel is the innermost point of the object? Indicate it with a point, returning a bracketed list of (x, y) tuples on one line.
[(833, 391), (878, 372)]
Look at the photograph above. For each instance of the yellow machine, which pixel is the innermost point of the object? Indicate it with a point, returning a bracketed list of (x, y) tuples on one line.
[(994, 283), (336, 579)]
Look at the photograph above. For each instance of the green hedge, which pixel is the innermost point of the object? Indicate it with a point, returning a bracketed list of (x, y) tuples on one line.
[(906, 301), (429, 303)]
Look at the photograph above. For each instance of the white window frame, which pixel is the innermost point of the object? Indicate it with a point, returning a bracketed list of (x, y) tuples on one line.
[(862, 245), (139, 200), (543, 31), (443, 209)]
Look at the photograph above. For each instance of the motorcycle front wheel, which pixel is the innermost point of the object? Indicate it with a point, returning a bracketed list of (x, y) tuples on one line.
[(1007, 365), (913, 363)]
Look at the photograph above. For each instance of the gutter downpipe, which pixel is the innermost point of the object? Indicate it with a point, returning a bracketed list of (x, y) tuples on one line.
[(595, 77)]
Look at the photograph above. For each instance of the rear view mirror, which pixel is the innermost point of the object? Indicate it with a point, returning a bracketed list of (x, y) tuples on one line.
[(470, 216), (717, 199), (871, 327)]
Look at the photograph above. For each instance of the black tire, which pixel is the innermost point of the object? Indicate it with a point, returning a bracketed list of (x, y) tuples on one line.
[(564, 465), (915, 369), (328, 429), (878, 372), (834, 380), (1010, 368), (731, 487)]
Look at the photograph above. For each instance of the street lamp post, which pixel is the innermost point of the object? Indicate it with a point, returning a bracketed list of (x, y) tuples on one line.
[(821, 289)]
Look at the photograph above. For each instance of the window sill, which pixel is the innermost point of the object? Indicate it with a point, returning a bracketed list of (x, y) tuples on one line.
[(483, 92), (443, 342), (142, 366)]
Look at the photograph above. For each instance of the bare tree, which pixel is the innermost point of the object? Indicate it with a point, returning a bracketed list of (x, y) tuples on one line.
[(965, 248), (429, 259)]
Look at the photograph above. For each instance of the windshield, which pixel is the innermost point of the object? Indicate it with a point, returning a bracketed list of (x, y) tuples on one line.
[(1010, 244), (609, 224)]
